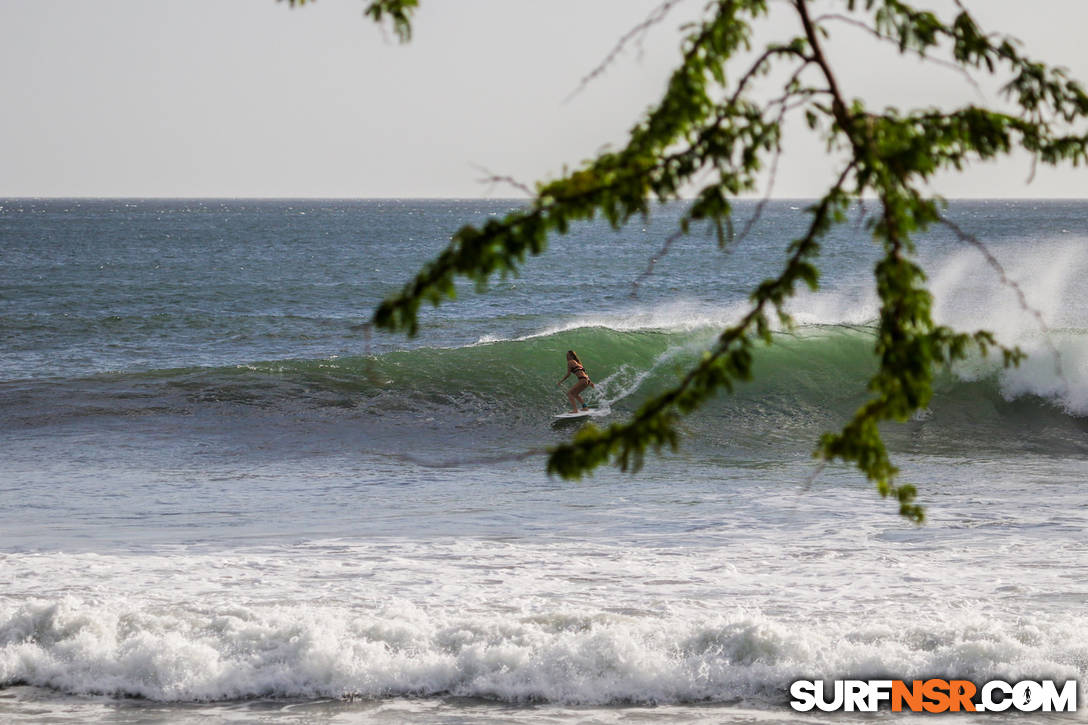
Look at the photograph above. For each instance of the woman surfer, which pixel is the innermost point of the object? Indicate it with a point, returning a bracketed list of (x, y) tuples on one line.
[(574, 365)]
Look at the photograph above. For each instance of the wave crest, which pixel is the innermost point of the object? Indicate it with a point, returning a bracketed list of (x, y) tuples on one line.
[(811, 380), (560, 656)]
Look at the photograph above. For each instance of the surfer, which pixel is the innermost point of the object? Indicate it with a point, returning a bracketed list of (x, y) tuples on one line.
[(574, 365)]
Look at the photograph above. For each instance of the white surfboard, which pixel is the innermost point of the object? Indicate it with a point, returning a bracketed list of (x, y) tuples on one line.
[(591, 413)]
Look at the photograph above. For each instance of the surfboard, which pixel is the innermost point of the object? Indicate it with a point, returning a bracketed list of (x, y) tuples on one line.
[(591, 413)]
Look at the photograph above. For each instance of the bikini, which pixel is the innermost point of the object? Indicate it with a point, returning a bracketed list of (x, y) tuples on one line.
[(579, 371)]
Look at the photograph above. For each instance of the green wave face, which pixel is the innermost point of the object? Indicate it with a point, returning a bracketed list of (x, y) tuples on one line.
[(809, 381)]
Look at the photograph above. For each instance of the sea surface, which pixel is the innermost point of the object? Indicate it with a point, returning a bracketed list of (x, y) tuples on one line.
[(225, 498)]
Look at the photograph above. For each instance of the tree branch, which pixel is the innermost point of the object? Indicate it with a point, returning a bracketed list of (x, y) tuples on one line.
[(657, 15), (880, 36)]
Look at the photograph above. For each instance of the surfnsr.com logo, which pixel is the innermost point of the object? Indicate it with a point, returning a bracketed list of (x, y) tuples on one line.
[(933, 695)]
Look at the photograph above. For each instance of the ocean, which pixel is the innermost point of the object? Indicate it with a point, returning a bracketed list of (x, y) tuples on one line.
[(225, 498)]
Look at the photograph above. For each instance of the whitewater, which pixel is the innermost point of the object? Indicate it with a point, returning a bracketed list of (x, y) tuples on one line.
[(225, 498)]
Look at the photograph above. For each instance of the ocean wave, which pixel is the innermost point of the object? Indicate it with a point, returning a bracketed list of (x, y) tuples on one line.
[(811, 379), (566, 655)]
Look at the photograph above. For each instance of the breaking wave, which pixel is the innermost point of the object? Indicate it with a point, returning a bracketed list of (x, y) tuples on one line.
[(554, 638)]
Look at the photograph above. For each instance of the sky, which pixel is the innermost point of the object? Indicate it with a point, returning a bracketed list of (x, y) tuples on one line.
[(253, 98)]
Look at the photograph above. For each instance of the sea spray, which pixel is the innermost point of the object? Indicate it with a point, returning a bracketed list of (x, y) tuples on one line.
[(567, 631)]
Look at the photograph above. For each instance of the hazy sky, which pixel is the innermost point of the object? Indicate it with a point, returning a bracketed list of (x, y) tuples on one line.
[(250, 98)]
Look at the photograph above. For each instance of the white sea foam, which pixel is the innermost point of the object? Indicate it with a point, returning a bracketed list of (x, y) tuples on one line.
[(628, 379), (1040, 307), (560, 623), (676, 316), (565, 656)]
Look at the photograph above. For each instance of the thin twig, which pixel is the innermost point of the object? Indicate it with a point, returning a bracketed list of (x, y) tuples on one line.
[(758, 214), (807, 484), (656, 16), (653, 260), (495, 179), (1012, 284), (862, 213), (754, 69), (784, 108), (929, 59)]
